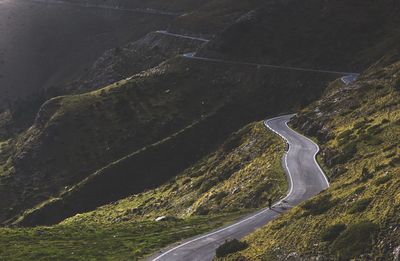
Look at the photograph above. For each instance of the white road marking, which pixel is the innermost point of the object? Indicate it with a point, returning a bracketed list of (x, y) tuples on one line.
[(262, 211), (193, 56)]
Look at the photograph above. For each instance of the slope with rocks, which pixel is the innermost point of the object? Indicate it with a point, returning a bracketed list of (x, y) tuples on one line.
[(240, 176), (120, 63), (358, 126), (142, 111), (335, 34)]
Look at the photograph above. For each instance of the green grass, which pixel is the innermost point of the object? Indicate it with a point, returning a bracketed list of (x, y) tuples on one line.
[(242, 174), (118, 241), (226, 180), (356, 240), (332, 232)]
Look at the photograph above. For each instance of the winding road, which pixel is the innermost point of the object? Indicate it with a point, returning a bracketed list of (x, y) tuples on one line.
[(305, 179), (348, 78)]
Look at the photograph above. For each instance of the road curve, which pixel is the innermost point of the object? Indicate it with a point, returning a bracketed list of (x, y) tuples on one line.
[(305, 178), (183, 36), (193, 56)]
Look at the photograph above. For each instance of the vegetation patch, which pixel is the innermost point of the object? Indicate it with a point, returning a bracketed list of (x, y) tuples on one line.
[(357, 239), (118, 241), (332, 232), (359, 206), (229, 247), (383, 179), (318, 205)]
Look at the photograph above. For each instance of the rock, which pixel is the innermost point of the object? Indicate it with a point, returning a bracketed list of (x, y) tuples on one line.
[(293, 256), (166, 218), (162, 218), (396, 254)]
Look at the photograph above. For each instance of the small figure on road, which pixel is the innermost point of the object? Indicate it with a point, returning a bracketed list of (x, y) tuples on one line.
[(269, 203)]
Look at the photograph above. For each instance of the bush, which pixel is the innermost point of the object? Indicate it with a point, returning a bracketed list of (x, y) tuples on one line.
[(344, 137), (395, 162), (229, 247), (357, 239), (383, 180), (348, 151), (372, 140), (359, 205), (332, 232), (397, 85), (219, 196), (202, 211), (374, 130), (365, 174), (360, 125), (207, 185), (318, 205)]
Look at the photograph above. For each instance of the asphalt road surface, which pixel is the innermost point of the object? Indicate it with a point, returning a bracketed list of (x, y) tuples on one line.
[(183, 36), (305, 179), (348, 76)]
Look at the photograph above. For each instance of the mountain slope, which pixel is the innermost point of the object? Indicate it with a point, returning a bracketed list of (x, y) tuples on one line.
[(335, 34), (161, 102), (357, 217), (238, 177)]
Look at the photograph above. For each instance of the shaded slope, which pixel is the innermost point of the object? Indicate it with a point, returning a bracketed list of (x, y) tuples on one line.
[(230, 179), (334, 34), (245, 171), (108, 124)]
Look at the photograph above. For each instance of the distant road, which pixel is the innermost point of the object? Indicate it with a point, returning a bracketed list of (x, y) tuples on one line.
[(348, 77), (183, 36), (305, 179), (347, 74), (108, 7)]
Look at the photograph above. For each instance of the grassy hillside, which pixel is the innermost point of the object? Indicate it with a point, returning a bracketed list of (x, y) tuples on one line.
[(237, 178), (74, 136), (122, 241), (241, 174), (358, 127), (47, 45), (122, 62)]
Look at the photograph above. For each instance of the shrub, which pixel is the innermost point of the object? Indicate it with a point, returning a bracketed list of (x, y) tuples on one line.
[(395, 162), (359, 205), (355, 240), (207, 185), (229, 247), (348, 151), (202, 211), (383, 180), (332, 232), (220, 195), (373, 130), (397, 85), (372, 140), (344, 137), (360, 125), (318, 205), (365, 174)]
